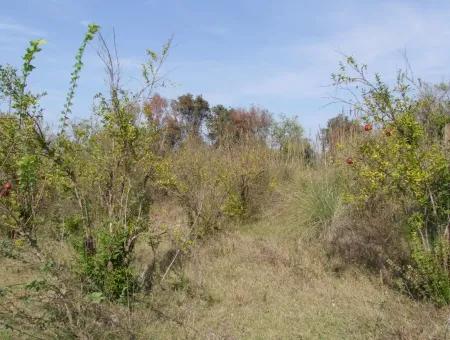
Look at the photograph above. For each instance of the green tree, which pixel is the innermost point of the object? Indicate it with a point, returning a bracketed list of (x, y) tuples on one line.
[(233, 125), (193, 111), (338, 130), (287, 136), (219, 124)]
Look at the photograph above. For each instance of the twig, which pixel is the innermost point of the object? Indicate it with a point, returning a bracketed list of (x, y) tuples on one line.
[(8, 326), (178, 322), (171, 264)]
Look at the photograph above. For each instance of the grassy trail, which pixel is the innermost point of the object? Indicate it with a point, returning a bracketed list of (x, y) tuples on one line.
[(265, 280)]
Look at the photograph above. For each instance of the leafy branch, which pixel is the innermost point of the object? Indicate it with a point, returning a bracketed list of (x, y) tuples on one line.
[(75, 75)]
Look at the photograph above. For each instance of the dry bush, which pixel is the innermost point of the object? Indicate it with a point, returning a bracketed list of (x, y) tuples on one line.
[(372, 236), (41, 300), (214, 184), (369, 236)]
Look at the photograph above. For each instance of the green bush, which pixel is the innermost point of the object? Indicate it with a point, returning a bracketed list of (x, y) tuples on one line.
[(214, 185), (106, 268), (399, 158)]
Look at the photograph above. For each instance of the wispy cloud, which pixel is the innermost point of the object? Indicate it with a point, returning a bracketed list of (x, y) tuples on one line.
[(9, 27), (297, 75), (381, 42), (277, 55), (11, 32)]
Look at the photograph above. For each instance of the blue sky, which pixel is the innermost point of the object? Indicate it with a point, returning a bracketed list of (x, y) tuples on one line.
[(275, 54)]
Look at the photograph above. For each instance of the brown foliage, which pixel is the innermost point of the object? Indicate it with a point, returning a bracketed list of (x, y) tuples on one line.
[(156, 108), (370, 236)]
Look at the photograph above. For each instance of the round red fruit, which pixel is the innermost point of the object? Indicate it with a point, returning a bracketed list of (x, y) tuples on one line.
[(349, 161), (368, 127)]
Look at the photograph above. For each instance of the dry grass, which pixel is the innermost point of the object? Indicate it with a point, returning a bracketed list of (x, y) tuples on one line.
[(266, 280), (241, 287)]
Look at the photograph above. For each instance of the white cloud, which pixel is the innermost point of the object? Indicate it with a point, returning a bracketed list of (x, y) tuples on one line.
[(8, 27), (378, 37), (298, 75), (11, 32)]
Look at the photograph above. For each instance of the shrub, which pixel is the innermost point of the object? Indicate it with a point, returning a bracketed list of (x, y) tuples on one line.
[(96, 177), (107, 270), (214, 185), (428, 277), (113, 171), (370, 235), (401, 161)]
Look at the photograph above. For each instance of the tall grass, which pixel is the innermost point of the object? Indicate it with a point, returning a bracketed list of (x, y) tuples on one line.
[(315, 199)]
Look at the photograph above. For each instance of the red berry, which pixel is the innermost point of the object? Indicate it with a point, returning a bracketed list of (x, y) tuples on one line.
[(349, 161), (367, 127), (5, 189)]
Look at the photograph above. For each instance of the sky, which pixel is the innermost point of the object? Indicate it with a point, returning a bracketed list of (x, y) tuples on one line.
[(278, 55)]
